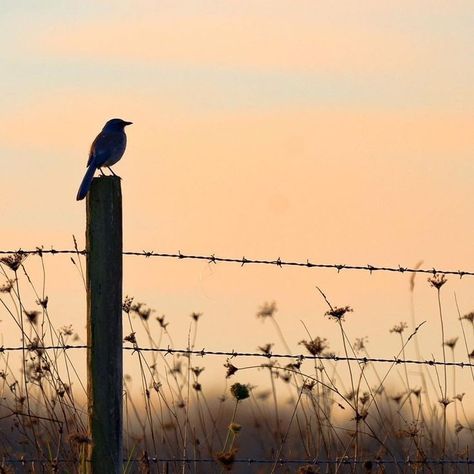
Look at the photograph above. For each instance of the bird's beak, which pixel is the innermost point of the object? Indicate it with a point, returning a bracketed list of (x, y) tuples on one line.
[(127, 123)]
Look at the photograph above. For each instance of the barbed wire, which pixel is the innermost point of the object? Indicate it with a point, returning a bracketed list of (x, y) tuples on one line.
[(212, 258), (267, 355), (314, 461), (281, 461)]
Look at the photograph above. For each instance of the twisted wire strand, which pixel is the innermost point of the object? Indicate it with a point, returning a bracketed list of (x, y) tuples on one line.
[(282, 461), (212, 258), (233, 354)]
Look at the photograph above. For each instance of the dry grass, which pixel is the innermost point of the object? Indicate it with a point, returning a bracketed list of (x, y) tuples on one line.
[(352, 414)]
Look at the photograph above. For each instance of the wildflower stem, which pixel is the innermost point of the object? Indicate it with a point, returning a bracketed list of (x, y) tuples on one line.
[(275, 402), (444, 394), (231, 421), (287, 431), (355, 397)]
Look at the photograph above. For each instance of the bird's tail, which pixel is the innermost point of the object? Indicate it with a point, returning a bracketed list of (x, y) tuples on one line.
[(86, 182)]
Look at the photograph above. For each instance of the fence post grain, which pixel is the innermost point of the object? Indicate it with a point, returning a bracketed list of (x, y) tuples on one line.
[(104, 324)]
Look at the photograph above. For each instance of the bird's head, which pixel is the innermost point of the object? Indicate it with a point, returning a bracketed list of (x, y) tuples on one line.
[(115, 125)]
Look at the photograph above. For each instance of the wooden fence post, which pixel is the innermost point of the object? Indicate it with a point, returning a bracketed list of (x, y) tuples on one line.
[(104, 325)]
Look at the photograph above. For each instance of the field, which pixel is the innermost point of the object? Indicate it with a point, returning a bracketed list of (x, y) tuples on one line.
[(315, 411)]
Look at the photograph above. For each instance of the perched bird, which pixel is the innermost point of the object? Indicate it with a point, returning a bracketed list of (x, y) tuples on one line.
[(108, 147)]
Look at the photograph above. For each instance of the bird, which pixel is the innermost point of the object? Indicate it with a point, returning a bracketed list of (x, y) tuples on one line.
[(107, 148)]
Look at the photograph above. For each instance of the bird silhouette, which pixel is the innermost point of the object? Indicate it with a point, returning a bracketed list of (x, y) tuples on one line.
[(108, 147)]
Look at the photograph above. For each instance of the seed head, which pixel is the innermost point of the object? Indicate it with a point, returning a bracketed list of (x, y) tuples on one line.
[(231, 369), (7, 286), (267, 310), (315, 346), (36, 345), (235, 428), (127, 304), (399, 328), (469, 317), (227, 458), (43, 302), (338, 313), (445, 401), (66, 330), (451, 342), (416, 392), (360, 342), (131, 338), (161, 321), (364, 398), (177, 368), (14, 261), (32, 316), (294, 365), (437, 280), (397, 398), (266, 349), (142, 310), (240, 391), (308, 385), (361, 415), (285, 377), (197, 371)]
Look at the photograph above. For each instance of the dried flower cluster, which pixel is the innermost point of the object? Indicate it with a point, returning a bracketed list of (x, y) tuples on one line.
[(338, 312), (13, 262), (240, 391), (315, 346), (267, 310), (399, 328), (437, 280)]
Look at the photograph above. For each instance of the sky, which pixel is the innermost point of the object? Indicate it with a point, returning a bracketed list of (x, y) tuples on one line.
[(340, 132)]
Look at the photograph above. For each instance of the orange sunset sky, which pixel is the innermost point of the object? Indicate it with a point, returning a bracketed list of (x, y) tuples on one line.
[(341, 132)]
